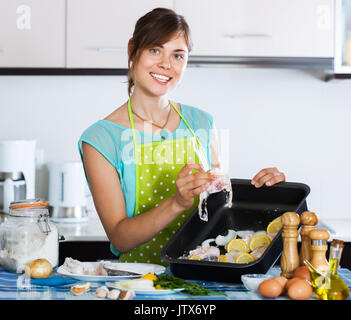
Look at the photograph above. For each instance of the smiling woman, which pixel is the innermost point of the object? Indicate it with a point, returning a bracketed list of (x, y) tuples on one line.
[(152, 32), (160, 68), (145, 161)]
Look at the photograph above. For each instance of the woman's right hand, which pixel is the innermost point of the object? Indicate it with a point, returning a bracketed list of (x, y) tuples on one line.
[(191, 184)]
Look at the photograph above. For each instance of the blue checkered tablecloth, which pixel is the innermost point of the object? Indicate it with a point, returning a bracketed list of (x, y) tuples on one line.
[(18, 287)]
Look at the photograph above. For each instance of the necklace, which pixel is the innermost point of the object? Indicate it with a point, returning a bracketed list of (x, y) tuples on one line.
[(164, 133)]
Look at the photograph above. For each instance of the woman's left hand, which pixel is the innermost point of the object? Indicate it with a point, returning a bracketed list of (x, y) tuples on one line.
[(268, 176)]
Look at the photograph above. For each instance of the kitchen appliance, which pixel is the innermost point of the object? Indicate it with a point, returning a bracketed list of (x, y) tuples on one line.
[(17, 171), (252, 209), (68, 192)]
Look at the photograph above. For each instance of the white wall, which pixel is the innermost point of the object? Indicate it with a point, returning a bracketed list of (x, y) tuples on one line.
[(291, 119)]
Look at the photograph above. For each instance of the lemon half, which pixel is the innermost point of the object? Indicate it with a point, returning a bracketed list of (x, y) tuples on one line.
[(274, 226), (194, 257), (222, 258), (259, 241), (244, 258), (236, 245)]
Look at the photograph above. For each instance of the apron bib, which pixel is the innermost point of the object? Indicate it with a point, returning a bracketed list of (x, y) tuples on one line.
[(157, 165)]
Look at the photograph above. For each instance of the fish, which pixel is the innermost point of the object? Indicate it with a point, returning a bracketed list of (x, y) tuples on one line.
[(120, 273), (222, 182), (103, 268), (113, 269), (205, 251)]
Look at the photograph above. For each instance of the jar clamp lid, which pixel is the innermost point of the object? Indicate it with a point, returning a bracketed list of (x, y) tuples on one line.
[(29, 203), (32, 208)]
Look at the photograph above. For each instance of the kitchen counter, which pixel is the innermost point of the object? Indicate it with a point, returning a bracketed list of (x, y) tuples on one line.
[(87, 241), (19, 287), (338, 228), (92, 230)]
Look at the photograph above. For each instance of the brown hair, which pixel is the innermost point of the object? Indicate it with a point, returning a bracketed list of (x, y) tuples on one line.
[(155, 28)]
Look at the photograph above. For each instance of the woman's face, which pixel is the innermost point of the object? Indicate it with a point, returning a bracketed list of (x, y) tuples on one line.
[(160, 68)]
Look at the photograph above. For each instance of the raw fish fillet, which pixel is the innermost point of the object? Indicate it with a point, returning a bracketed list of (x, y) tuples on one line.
[(205, 251), (113, 269), (222, 182)]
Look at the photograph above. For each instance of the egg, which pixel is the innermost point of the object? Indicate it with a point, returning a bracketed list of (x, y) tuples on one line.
[(303, 273), (290, 282), (282, 280), (270, 288), (300, 290)]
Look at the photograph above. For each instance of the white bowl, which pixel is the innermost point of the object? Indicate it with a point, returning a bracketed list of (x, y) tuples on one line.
[(252, 281)]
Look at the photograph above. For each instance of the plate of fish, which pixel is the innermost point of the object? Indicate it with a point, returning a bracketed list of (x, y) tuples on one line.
[(106, 270), (141, 286)]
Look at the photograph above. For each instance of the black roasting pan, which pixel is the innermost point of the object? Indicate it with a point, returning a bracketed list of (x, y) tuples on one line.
[(252, 209)]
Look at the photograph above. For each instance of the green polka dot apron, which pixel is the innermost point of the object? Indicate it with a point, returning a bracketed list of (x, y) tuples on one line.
[(156, 170)]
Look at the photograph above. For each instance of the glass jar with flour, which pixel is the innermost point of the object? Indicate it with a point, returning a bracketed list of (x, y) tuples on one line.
[(26, 235)]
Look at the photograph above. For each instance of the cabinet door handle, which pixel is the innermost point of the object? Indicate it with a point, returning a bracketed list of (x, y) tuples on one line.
[(247, 35), (111, 49)]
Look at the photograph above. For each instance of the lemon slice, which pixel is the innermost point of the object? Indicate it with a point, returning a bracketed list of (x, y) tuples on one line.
[(259, 241), (149, 276), (244, 258), (194, 257), (236, 245), (222, 258), (274, 226)]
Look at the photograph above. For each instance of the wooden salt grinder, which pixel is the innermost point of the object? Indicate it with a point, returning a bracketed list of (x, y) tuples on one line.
[(308, 221), (319, 248), (289, 260)]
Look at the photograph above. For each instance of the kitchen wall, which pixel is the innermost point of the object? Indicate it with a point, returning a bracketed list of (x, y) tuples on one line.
[(291, 119)]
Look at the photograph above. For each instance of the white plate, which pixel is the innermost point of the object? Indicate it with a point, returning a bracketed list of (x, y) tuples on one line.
[(147, 292), (141, 268)]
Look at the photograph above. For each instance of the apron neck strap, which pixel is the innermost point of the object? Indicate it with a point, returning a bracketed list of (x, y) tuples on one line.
[(132, 122), (186, 122), (179, 113)]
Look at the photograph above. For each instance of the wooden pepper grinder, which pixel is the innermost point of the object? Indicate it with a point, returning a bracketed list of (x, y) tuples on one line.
[(308, 221), (289, 260), (319, 248)]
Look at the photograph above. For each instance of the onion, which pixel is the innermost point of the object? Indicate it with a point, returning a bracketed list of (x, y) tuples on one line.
[(39, 268)]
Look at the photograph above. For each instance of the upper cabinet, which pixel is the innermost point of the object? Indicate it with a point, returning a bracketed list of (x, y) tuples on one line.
[(93, 34), (342, 63), (256, 28), (32, 33), (98, 31)]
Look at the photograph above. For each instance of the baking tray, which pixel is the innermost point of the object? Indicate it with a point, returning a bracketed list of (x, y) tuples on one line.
[(252, 209)]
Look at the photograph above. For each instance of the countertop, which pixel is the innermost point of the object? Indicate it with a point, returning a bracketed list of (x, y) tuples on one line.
[(92, 229), (19, 287), (338, 228)]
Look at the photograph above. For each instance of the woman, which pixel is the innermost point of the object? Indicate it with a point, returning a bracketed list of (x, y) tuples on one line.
[(147, 162)]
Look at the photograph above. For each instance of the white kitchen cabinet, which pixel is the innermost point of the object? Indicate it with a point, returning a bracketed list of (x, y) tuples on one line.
[(342, 62), (98, 31), (32, 33), (260, 28)]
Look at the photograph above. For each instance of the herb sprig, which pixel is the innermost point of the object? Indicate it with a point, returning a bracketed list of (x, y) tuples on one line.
[(169, 281)]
